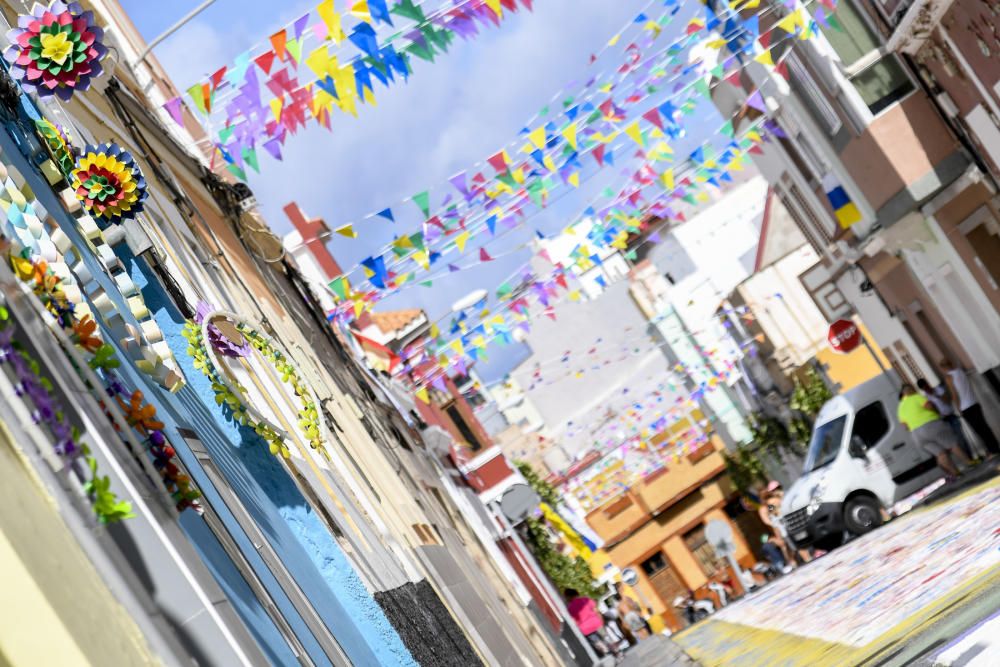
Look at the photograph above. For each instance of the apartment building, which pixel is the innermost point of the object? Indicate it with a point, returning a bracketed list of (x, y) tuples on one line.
[(341, 551), (878, 182)]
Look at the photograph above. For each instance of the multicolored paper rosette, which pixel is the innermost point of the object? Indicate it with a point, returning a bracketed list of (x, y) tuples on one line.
[(58, 143), (56, 50), (109, 183)]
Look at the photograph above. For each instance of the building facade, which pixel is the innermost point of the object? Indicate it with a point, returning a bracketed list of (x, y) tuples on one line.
[(879, 182)]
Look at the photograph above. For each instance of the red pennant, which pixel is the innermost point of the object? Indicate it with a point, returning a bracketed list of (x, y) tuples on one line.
[(498, 162), (765, 40), (756, 149), (653, 116), (484, 256), (782, 69), (217, 77), (264, 61), (598, 154)]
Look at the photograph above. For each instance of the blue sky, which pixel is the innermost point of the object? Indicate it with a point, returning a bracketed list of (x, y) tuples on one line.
[(452, 113)]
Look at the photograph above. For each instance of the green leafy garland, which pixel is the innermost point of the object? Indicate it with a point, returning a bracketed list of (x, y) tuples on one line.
[(231, 394)]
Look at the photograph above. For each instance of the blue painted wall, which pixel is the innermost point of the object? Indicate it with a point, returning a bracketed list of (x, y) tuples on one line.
[(269, 494)]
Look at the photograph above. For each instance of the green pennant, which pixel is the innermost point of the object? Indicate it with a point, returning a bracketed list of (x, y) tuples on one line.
[(340, 287), (250, 157), (423, 201), (608, 192), (225, 134), (507, 179), (631, 255), (536, 192), (408, 10), (417, 240), (427, 283), (237, 172)]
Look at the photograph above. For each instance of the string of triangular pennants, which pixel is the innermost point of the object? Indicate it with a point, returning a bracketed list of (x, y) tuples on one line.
[(375, 266)]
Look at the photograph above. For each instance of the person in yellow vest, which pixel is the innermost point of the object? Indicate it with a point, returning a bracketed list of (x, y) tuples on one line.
[(918, 415)]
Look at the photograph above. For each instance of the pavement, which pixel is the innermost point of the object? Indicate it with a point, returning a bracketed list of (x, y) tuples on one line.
[(657, 650), (921, 590)]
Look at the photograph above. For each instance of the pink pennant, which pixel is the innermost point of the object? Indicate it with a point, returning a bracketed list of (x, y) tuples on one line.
[(173, 107), (484, 256), (653, 116)]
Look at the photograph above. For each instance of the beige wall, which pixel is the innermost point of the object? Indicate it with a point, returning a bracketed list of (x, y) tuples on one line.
[(56, 608), (900, 146)]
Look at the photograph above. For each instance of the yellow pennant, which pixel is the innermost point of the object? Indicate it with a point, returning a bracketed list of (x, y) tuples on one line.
[(634, 133), (537, 137), (423, 395), (574, 179), (359, 10), (461, 240), (495, 6), (764, 58), (569, 134), (347, 230)]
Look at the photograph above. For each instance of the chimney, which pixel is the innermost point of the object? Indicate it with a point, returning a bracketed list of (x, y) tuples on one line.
[(314, 234)]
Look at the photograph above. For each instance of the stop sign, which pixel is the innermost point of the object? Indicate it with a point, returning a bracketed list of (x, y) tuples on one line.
[(844, 336)]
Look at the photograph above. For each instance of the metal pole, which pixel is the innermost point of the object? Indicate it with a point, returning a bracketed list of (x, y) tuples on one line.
[(871, 351), (172, 29)]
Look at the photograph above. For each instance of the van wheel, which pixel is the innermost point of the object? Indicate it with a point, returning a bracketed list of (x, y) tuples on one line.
[(862, 514)]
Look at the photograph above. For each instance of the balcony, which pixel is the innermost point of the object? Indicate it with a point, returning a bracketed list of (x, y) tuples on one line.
[(658, 492)]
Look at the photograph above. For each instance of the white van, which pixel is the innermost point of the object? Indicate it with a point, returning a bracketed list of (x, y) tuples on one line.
[(860, 460)]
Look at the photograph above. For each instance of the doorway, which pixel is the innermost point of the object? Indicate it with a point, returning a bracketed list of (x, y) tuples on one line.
[(666, 584)]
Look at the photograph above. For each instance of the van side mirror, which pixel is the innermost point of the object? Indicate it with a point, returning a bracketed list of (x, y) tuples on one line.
[(856, 448)]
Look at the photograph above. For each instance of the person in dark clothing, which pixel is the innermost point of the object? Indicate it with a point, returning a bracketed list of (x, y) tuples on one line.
[(773, 553), (941, 399), (967, 403)]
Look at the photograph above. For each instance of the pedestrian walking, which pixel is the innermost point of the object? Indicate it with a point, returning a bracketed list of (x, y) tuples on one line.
[(967, 403), (941, 399), (918, 415), (773, 554), (630, 616), (588, 619)]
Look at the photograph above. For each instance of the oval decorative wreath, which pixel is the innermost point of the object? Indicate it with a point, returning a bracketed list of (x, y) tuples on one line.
[(55, 50), (108, 182), (230, 393)]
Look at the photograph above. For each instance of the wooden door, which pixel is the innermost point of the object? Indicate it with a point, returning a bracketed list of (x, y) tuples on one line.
[(667, 586)]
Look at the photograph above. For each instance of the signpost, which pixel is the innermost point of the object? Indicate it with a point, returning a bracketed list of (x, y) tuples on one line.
[(844, 336)]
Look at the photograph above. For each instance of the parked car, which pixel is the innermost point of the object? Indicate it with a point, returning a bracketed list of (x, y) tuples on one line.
[(860, 461)]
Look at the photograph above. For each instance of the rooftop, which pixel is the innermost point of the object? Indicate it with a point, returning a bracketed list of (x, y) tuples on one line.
[(391, 321)]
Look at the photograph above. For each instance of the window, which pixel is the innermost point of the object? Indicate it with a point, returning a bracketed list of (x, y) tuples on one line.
[(463, 428), (654, 563), (881, 81), (825, 444), (871, 424), (817, 102), (702, 550)]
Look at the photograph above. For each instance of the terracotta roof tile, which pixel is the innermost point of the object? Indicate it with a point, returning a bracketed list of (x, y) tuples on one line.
[(394, 320)]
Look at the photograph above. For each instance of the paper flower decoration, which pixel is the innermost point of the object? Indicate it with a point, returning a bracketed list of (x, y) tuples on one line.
[(57, 141), (109, 183), (55, 50), (219, 341)]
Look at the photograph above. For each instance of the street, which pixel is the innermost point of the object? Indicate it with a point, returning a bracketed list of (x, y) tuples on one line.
[(922, 590)]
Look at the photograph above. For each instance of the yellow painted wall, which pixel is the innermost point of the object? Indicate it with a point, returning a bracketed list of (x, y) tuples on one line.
[(850, 370), (56, 608)]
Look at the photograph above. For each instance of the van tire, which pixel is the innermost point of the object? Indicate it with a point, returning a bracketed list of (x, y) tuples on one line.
[(862, 514)]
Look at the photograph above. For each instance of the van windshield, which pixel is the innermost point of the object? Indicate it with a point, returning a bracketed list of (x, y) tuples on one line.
[(825, 444)]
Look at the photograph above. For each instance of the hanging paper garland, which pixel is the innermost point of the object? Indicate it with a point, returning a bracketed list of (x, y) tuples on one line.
[(58, 143), (109, 183), (56, 49), (230, 393)]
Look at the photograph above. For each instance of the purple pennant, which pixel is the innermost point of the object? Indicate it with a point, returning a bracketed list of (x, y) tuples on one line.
[(300, 25), (173, 107), (273, 146), (458, 180)]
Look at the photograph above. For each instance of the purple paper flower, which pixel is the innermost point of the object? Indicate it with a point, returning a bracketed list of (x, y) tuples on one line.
[(220, 342), (56, 50)]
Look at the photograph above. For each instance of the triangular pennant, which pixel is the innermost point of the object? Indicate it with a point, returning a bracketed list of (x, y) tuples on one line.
[(422, 200), (347, 230), (278, 41), (387, 214), (265, 61)]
